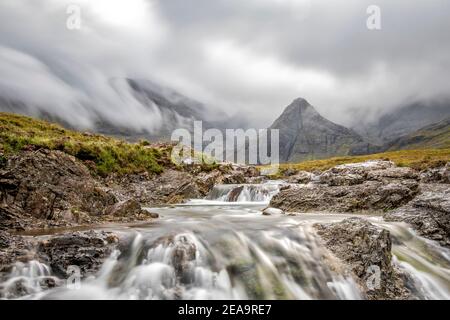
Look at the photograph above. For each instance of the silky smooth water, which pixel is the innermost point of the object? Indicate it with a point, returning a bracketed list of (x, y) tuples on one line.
[(217, 249)]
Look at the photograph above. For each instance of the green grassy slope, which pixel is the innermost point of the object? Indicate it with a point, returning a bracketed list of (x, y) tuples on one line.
[(105, 154), (418, 159), (436, 135)]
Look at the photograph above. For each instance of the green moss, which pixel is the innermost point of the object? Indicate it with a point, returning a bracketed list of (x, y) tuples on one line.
[(3, 161), (108, 154)]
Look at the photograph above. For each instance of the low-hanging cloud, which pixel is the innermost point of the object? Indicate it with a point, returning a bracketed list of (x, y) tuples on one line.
[(249, 57)]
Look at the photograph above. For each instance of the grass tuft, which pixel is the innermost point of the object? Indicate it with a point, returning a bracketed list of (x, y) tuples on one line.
[(109, 155)]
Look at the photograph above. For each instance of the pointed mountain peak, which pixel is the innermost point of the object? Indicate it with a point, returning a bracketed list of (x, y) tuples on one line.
[(301, 102), (305, 134), (300, 108)]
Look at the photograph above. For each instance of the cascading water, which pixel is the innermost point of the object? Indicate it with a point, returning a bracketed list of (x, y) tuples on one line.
[(223, 248), (244, 192)]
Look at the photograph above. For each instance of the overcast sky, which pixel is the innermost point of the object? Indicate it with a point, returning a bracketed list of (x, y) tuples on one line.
[(251, 56)]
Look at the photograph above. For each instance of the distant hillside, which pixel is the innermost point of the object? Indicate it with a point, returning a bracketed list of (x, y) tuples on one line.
[(403, 121), (436, 135)]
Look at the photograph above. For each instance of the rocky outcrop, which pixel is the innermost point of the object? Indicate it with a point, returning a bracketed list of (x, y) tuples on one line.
[(369, 195), (86, 250), (436, 175), (14, 249), (172, 186), (13, 218), (373, 185), (51, 186), (300, 177), (128, 209), (366, 250), (428, 213), (177, 186)]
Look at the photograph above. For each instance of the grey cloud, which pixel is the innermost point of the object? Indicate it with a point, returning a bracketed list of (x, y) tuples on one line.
[(250, 57)]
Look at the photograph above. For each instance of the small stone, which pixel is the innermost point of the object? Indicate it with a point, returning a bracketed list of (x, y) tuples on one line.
[(272, 211)]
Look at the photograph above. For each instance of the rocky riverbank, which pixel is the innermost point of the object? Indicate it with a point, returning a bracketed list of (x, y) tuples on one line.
[(420, 199), (47, 189)]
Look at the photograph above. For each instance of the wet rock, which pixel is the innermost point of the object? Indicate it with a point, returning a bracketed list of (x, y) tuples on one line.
[(370, 195), (428, 213), (152, 215), (372, 185), (234, 178), (436, 175), (86, 250), (13, 249), (183, 255), (125, 208), (392, 173), (234, 194), (348, 179), (181, 250), (272, 211), (366, 250), (300, 177), (171, 186), (205, 181), (238, 174), (357, 173)]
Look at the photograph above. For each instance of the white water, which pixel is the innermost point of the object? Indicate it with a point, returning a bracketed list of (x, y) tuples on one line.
[(224, 248)]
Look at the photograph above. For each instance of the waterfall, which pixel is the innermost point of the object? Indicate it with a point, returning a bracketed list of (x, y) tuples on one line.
[(28, 278), (244, 192)]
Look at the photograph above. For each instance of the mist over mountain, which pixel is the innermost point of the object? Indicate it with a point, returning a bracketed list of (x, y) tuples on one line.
[(403, 120), (435, 135), (225, 55), (168, 109)]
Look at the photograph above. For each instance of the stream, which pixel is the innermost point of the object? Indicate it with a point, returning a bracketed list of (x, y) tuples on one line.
[(222, 247)]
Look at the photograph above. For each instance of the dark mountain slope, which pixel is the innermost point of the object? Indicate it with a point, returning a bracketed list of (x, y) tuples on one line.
[(306, 135)]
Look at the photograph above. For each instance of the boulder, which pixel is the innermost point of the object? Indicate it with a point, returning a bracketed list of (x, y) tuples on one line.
[(272, 211), (370, 195), (436, 175), (300, 177), (428, 213), (127, 208), (86, 250), (366, 249)]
